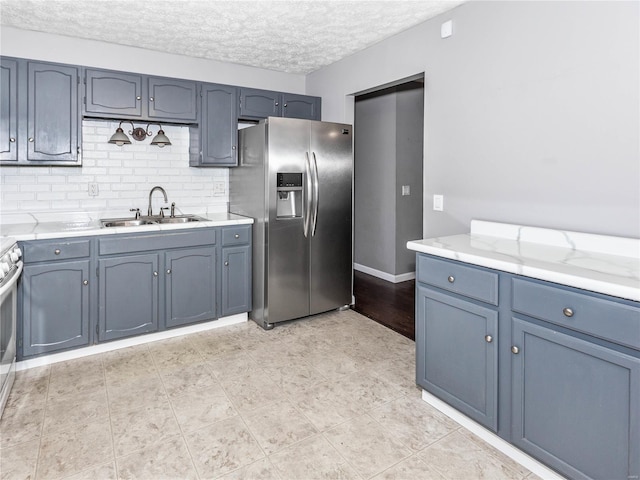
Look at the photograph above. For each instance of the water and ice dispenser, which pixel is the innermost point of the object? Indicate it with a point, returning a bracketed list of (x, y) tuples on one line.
[(289, 195)]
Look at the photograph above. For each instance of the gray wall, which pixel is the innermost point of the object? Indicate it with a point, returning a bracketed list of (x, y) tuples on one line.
[(388, 154), (531, 112)]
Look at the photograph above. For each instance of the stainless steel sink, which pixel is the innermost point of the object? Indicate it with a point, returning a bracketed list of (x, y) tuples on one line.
[(126, 222), (131, 222), (181, 219)]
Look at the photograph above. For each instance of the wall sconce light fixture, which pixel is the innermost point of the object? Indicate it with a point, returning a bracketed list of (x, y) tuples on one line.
[(120, 138)]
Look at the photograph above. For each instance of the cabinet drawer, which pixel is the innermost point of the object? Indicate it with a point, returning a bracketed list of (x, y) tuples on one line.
[(44, 251), (607, 319), (454, 277), (118, 244), (236, 235)]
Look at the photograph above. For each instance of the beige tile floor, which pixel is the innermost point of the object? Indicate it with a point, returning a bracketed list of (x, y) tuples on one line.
[(332, 396)]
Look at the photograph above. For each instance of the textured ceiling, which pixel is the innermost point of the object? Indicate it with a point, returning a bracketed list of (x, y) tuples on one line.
[(288, 36)]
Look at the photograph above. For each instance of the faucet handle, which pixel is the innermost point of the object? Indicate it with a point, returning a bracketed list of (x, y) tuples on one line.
[(137, 210), (162, 209)]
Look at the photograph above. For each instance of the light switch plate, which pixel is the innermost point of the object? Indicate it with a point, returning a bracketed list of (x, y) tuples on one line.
[(406, 190), (438, 203), (446, 29)]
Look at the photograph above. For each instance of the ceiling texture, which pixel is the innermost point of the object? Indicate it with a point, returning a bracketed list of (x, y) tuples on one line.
[(288, 36)]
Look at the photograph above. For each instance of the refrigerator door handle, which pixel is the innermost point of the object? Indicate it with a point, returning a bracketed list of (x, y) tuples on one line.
[(306, 208), (316, 195)]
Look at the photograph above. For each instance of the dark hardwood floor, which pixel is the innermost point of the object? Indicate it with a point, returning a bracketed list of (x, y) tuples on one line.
[(391, 304)]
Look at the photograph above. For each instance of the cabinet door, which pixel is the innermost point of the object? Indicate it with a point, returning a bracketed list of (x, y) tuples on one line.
[(172, 99), (576, 405), (236, 280), (457, 353), (219, 126), (300, 106), (259, 103), (116, 94), (52, 113), (55, 306), (128, 296), (8, 110), (190, 293)]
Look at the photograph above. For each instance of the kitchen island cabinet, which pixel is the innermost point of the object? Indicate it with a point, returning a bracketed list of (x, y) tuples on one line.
[(567, 360)]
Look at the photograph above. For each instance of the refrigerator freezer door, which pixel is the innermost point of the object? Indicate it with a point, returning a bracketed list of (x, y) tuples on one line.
[(331, 259), (287, 286)]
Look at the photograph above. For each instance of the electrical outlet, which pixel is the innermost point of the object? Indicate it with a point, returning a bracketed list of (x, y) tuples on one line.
[(438, 203), (93, 189), (406, 190), (219, 189)]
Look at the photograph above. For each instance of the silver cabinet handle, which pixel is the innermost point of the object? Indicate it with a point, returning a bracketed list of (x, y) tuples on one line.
[(155, 274), (226, 264), (31, 139), (515, 350), (568, 312), (12, 140), (284, 105), (277, 104), (138, 97), (151, 99), (488, 338), (233, 148), (85, 282), (168, 271), (57, 251), (237, 236), (451, 278)]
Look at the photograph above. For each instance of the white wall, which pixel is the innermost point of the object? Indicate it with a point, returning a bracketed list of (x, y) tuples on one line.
[(56, 48), (124, 175), (531, 112)]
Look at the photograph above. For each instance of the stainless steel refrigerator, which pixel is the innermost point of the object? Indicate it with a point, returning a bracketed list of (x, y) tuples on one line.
[(295, 179)]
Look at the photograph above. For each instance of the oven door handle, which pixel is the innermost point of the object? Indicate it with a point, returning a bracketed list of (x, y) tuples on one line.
[(13, 280)]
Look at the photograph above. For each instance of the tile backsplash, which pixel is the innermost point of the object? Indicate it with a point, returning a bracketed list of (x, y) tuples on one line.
[(124, 176)]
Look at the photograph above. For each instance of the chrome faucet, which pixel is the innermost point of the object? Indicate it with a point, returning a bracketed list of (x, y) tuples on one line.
[(149, 213)]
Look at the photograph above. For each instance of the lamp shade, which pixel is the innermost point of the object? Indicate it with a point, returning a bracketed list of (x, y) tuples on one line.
[(160, 139), (120, 138)]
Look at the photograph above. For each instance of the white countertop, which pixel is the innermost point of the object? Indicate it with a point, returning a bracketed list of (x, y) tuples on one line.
[(63, 225), (599, 263)]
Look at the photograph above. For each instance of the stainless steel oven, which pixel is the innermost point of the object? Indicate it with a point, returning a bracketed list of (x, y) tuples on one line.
[(10, 270)]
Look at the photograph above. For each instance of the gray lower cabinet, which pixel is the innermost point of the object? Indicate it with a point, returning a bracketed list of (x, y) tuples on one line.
[(457, 353), (563, 384), (55, 306), (576, 404), (128, 295), (190, 285), (236, 280), (213, 143)]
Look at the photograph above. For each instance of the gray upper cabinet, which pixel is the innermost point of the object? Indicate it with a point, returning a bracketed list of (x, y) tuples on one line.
[(8, 110), (213, 143), (139, 97), (257, 104), (190, 285), (40, 114), (52, 113), (172, 99), (457, 352), (576, 405), (128, 295), (300, 106), (112, 94)]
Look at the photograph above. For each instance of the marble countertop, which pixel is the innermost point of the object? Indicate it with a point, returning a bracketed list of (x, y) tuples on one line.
[(74, 224), (599, 263)]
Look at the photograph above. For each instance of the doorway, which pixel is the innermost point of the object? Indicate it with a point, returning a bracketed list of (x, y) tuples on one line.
[(388, 201)]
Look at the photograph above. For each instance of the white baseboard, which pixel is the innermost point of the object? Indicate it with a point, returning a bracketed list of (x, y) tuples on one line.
[(403, 277), (129, 342), (492, 439)]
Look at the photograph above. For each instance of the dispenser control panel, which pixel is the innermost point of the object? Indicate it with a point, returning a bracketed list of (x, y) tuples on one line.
[(285, 180)]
